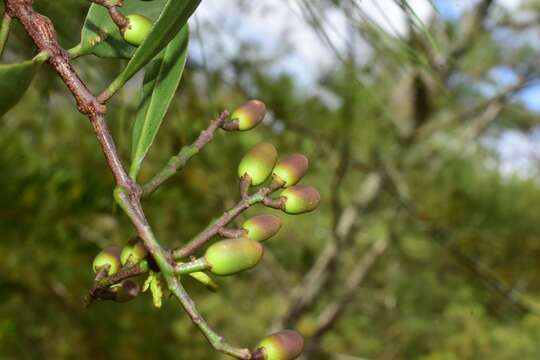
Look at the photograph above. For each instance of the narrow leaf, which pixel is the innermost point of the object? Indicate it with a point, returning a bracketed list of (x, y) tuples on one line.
[(14, 81), (173, 18), (161, 80)]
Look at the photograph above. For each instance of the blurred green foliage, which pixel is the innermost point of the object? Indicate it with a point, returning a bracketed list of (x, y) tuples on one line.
[(421, 301)]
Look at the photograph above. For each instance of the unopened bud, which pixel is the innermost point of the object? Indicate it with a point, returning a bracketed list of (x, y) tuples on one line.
[(262, 227), (291, 169), (249, 114), (133, 252), (300, 199), (283, 345), (107, 259), (258, 163), (231, 256)]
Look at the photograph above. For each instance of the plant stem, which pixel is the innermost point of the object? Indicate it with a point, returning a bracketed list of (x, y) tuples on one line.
[(127, 193), (4, 31), (213, 338), (216, 226), (180, 160)]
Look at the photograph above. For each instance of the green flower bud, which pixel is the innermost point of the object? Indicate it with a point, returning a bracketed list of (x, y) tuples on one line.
[(137, 30), (292, 169), (133, 252), (249, 115), (300, 199), (126, 291), (108, 258), (231, 256), (283, 345), (262, 227), (258, 163)]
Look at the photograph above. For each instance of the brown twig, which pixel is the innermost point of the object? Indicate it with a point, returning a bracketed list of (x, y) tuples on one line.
[(218, 225), (127, 193), (180, 160), (117, 17)]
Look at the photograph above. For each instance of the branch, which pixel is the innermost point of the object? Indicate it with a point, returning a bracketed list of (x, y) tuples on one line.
[(101, 287), (117, 17), (127, 193), (180, 160), (494, 108), (506, 292), (332, 312), (313, 284), (217, 226), (475, 22)]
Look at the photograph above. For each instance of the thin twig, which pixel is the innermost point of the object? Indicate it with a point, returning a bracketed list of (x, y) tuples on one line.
[(117, 17), (127, 193), (180, 160), (214, 228)]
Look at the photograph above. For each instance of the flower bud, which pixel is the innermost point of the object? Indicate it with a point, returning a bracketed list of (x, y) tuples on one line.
[(291, 169), (107, 259), (137, 29), (283, 345), (300, 199), (126, 291), (133, 252), (262, 227), (249, 115), (231, 256), (258, 163)]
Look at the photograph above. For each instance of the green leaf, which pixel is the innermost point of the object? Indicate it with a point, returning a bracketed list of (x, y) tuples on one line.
[(14, 81), (161, 80), (153, 282), (100, 35), (173, 18)]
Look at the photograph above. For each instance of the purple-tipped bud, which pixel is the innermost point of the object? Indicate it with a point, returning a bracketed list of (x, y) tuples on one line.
[(292, 169), (300, 199), (107, 259), (283, 345), (262, 227), (133, 252), (249, 115), (258, 163), (231, 256), (126, 291)]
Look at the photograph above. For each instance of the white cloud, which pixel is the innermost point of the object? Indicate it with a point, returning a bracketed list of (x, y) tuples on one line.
[(270, 23)]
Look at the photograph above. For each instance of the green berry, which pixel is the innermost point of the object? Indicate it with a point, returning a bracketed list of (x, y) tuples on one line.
[(126, 291), (107, 259), (249, 115), (231, 256), (258, 163), (137, 30), (300, 199), (283, 345), (262, 227), (133, 252), (291, 169)]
